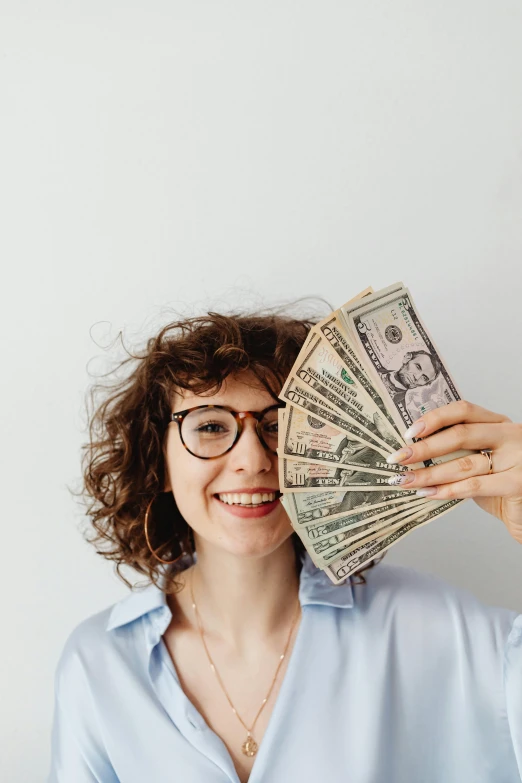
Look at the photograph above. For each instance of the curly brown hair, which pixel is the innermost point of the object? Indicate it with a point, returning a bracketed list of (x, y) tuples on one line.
[(123, 465)]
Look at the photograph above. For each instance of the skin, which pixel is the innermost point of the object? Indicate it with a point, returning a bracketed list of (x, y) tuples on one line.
[(471, 427), (195, 482), (245, 583)]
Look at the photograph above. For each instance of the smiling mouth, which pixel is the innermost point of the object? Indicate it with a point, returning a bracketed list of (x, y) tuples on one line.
[(247, 500)]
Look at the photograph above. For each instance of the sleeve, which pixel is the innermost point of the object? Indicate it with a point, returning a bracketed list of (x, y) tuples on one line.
[(78, 754), (72, 760), (513, 687), (69, 760)]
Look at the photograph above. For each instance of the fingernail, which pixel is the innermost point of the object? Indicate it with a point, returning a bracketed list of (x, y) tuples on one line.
[(401, 479), (399, 456), (415, 429), (426, 492)]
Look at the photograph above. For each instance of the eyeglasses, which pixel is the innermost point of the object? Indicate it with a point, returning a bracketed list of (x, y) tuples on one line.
[(209, 431)]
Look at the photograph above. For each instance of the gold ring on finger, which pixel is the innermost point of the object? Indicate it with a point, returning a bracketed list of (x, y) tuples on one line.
[(489, 454)]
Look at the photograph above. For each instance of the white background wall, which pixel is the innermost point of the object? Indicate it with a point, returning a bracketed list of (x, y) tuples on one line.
[(168, 155)]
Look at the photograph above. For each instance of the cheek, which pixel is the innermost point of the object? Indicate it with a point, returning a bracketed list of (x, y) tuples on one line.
[(190, 478)]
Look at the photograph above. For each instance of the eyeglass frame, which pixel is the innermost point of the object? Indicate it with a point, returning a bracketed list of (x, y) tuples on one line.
[(239, 416)]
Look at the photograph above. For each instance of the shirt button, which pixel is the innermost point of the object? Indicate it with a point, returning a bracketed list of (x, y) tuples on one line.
[(194, 722)]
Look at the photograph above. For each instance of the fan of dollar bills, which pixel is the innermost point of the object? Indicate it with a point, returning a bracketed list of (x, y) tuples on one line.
[(361, 379)]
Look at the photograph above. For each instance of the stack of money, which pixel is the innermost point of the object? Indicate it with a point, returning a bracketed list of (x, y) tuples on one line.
[(362, 378)]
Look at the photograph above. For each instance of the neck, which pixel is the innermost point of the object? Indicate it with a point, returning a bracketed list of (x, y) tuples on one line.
[(243, 599)]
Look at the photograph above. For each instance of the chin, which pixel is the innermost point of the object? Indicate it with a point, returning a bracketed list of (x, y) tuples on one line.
[(241, 532), (248, 538), (255, 547)]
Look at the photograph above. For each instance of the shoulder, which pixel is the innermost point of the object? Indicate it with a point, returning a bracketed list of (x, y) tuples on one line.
[(114, 634), (433, 607), (86, 644)]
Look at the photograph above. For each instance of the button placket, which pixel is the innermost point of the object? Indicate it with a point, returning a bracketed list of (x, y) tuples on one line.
[(281, 707), (178, 706)]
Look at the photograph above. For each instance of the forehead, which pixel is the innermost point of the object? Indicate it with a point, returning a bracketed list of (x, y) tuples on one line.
[(241, 392), (425, 361)]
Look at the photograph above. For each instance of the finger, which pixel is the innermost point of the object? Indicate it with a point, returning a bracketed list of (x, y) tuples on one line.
[(453, 413), (446, 473), (460, 436), (494, 485)]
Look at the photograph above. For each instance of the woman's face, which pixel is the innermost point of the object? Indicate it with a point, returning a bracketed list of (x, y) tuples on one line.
[(199, 485)]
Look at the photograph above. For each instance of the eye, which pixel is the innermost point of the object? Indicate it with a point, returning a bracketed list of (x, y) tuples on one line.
[(270, 425), (211, 427), (425, 378)]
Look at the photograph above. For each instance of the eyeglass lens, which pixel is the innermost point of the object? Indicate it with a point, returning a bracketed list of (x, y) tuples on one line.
[(210, 432)]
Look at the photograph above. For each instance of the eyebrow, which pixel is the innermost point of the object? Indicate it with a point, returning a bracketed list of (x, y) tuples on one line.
[(224, 405)]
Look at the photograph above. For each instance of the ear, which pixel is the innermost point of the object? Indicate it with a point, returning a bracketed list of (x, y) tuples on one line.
[(406, 357)]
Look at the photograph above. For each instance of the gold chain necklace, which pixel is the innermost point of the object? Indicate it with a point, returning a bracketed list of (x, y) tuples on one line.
[(249, 746)]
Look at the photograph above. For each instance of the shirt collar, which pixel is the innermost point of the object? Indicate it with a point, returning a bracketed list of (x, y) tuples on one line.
[(314, 588)]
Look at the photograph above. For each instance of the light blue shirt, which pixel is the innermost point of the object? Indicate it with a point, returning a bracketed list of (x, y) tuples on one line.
[(402, 680)]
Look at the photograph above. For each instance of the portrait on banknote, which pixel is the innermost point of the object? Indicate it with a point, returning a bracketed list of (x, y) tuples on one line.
[(420, 370), (353, 448)]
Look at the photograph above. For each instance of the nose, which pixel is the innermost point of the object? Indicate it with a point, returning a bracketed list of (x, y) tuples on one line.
[(249, 454)]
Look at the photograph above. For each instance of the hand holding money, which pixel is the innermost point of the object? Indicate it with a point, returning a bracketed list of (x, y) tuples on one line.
[(367, 386), (494, 481)]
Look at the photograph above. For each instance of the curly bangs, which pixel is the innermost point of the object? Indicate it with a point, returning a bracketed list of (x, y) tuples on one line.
[(123, 464)]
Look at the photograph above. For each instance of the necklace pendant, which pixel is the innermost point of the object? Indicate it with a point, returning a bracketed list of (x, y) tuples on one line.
[(249, 746)]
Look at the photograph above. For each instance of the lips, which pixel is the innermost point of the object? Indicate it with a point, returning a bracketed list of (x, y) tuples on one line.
[(249, 504), (247, 498)]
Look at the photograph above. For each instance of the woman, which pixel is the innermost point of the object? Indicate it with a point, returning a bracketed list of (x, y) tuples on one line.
[(242, 661)]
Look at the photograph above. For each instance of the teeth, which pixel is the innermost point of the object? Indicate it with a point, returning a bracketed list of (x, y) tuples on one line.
[(244, 499)]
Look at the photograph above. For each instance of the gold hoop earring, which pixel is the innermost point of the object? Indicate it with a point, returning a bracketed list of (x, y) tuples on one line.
[(153, 553)]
